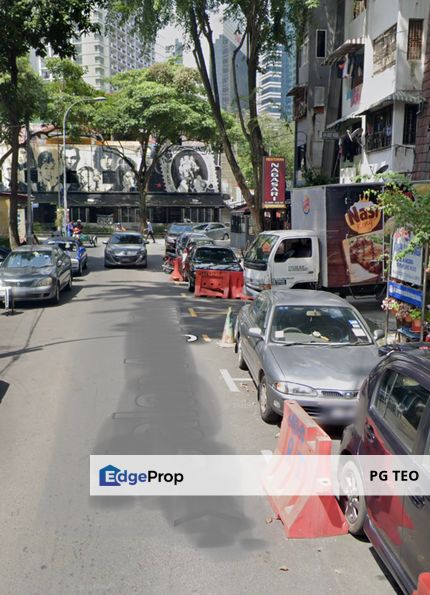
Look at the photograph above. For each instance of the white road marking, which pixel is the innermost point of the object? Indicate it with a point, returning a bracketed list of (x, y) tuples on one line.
[(229, 381), (242, 379)]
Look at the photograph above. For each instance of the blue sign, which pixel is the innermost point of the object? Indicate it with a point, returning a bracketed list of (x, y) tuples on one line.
[(405, 293)]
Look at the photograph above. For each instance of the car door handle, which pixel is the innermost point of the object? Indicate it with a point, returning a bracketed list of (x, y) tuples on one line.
[(369, 432)]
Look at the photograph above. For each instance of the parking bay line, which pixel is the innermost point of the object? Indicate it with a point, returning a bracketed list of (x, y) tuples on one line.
[(231, 382), (192, 312)]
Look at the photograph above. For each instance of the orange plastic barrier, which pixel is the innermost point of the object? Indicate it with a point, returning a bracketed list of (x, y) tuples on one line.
[(176, 274), (212, 284), (423, 584), (303, 516), (236, 285)]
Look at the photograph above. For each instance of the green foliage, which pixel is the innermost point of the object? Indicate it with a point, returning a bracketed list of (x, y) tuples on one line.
[(67, 86), (313, 177), (409, 208)]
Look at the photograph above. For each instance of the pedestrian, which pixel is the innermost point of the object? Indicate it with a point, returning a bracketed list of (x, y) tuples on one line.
[(70, 227), (150, 231)]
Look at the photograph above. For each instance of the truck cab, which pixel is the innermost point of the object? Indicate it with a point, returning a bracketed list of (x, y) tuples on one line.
[(282, 258)]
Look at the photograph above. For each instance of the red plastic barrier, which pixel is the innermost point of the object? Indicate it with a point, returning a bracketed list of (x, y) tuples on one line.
[(236, 285), (423, 584), (304, 516), (212, 284), (176, 274)]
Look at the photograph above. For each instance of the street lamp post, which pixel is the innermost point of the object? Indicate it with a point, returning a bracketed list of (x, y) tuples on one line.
[(66, 115)]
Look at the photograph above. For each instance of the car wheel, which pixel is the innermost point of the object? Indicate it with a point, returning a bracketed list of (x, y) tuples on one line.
[(240, 361), (191, 286), (107, 266), (145, 263), (86, 264), (69, 283), (353, 504), (80, 270), (56, 297), (266, 412), (225, 236)]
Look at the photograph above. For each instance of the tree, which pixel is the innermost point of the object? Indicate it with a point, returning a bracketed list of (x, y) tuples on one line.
[(262, 25), (26, 25), (156, 107)]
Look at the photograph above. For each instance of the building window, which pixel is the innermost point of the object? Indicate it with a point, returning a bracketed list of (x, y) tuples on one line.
[(358, 6), (415, 39), (321, 43), (410, 124), (384, 50), (379, 129)]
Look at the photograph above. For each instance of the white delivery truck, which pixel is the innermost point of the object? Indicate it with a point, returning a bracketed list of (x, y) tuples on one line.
[(336, 243)]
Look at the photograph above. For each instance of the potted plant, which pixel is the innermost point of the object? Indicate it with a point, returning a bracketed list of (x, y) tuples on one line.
[(415, 314), (391, 305)]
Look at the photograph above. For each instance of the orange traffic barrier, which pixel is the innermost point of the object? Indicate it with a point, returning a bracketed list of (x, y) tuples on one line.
[(176, 274), (423, 584), (212, 283), (303, 516), (236, 285)]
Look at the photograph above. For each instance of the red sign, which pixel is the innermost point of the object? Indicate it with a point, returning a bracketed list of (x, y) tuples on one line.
[(273, 183)]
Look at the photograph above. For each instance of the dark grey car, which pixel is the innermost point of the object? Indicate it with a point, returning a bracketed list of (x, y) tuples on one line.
[(309, 346), (36, 273), (126, 249)]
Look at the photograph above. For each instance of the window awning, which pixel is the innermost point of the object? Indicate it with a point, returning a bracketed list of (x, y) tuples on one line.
[(348, 46), (413, 97), (296, 90), (353, 116)]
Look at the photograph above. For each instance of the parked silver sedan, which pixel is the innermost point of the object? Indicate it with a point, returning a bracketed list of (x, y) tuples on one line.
[(309, 346), (215, 231), (36, 273)]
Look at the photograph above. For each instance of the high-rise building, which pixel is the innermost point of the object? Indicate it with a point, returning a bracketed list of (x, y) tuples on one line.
[(114, 49), (277, 78)]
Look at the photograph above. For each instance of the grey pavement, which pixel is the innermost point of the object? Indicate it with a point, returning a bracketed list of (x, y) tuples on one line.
[(109, 372)]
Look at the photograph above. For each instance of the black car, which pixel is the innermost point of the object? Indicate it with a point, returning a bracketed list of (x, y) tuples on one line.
[(209, 257), (393, 419), (173, 231), (126, 249)]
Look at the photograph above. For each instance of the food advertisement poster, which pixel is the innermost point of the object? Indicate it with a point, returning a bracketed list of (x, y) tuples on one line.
[(355, 240)]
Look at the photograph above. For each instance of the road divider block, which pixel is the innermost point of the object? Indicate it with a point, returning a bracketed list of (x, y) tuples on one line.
[(212, 284), (303, 516), (236, 285), (423, 587)]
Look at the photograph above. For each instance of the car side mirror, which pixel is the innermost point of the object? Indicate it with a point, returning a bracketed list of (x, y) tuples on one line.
[(255, 332), (104, 241), (378, 334)]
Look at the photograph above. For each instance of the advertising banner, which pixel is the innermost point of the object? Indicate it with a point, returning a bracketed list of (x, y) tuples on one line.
[(355, 240), (409, 268), (273, 183)]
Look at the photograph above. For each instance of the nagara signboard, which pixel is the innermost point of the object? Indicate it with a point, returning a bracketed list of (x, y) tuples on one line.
[(273, 183)]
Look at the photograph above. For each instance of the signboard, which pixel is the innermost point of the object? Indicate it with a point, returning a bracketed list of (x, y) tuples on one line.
[(404, 293), (273, 183), (330, 135), (409, 268)]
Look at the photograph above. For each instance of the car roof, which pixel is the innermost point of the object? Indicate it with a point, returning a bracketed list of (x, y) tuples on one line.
[(415, 357), (215, 247), (290, 233), (306, 297), (65, 240), (126, 233)]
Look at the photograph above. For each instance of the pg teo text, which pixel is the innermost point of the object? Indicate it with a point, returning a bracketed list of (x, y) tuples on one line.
[(394, 475)]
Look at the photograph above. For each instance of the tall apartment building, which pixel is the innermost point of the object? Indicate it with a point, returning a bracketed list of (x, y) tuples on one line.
[(114, 49), (381, 62), (278, 74)]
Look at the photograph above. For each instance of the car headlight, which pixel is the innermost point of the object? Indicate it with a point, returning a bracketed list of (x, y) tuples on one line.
[(299, 390), (109, 250), (170, 240), (43, 282)]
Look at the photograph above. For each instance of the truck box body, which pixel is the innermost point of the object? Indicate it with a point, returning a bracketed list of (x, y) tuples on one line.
[(349, 228)]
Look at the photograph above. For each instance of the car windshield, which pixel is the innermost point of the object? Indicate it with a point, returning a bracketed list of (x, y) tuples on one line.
[(260, 249), (126, 239), (33, 258), (218, 255), (179, 228), (301, 325), (200, 226)]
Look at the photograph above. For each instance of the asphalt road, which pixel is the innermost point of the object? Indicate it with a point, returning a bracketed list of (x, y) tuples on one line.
[(109, 371)]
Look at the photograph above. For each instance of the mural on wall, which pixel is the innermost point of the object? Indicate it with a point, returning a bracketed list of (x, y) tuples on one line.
[(97, 168)]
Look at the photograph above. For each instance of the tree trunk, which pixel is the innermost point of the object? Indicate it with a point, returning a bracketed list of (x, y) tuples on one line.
[(15, 130)]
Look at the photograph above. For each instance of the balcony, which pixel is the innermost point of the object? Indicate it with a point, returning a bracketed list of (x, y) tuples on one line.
[(378, 140)]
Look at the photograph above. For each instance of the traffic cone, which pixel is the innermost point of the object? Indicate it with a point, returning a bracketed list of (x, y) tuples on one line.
[(227, 334)]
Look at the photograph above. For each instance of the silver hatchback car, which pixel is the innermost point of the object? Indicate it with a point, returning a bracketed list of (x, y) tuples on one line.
[(309, 346)]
